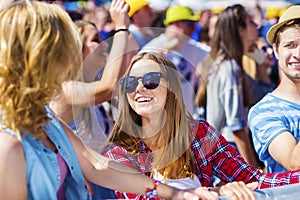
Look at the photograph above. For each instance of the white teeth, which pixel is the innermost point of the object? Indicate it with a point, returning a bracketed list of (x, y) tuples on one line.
[(295, 64), (144, 99)]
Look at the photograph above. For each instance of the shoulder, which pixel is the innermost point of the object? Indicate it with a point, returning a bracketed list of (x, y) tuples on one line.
[(202, 129), (226, 69), (202, 47), (10, 145), (12, 167), (268, 103), (155, 44)]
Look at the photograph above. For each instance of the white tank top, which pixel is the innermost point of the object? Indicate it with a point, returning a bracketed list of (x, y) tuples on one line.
[(182, 183)]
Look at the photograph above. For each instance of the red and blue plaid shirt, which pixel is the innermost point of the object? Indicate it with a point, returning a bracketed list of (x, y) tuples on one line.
[(211, 155)]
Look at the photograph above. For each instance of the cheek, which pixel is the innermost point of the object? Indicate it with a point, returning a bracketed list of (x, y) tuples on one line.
[(284, 54), (130, 99), (162, 93)]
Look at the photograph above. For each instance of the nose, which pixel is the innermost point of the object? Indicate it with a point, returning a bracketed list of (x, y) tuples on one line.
[(296, 53), (140, 85)]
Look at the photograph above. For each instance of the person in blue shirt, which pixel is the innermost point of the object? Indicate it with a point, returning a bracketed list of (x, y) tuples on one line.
[(274, 120)]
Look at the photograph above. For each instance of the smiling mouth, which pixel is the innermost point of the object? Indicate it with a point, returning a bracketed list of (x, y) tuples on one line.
[(144, 99)]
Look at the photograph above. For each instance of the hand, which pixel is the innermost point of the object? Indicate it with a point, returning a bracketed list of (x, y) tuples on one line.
[(239, 190), (119, 14), (199, 193)]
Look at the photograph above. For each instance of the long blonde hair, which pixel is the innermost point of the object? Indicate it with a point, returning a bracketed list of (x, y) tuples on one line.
[(40, 48), (173, 156)]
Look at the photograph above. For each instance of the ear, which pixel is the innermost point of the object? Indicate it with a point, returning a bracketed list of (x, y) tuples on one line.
[(275, 50)]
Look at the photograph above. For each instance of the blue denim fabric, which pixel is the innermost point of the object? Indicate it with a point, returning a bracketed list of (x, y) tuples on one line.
[(42, 168)]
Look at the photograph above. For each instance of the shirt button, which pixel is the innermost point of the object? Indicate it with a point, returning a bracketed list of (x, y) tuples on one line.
[(58, 177)]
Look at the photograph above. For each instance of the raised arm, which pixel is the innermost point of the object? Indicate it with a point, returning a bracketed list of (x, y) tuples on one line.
[(81, 93)]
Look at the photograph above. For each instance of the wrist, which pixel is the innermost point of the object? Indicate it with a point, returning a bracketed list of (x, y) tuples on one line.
[(151, 192), (121, 30), (121, 27)]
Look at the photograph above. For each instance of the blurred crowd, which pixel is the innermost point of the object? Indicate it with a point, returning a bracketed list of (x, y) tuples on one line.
[(173, 94)]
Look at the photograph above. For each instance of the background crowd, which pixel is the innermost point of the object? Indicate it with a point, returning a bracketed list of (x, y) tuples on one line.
[(204, 102)]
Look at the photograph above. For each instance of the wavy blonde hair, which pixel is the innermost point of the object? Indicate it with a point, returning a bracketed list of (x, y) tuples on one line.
[(40, 48), (173, 157)]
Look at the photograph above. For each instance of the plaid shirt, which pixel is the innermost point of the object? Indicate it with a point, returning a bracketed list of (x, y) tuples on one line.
[(211, 155)]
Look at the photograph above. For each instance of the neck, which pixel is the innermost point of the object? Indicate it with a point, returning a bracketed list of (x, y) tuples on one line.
[(152, 127), (288, 90)]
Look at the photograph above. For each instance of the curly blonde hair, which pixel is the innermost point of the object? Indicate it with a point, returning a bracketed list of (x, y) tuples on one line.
[(40, 48)]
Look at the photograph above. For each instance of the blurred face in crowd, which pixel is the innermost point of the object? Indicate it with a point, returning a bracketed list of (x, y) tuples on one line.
[(93, 47), (250, 33), (188, 27), (143, 17)]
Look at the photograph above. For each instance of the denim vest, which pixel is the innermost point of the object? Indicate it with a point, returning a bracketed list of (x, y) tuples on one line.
[(42, 169)]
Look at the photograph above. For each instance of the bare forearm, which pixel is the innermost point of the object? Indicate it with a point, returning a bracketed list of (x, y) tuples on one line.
[(116, 176), (244, 146), (115, 66), (114, 69)]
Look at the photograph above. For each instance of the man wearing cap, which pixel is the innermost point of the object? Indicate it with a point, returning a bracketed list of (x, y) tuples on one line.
[(275, 120), (141, 16), (185, 52)]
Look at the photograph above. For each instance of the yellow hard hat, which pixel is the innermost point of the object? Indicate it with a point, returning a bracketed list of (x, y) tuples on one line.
[(217, 10), (272, 12), (135, 5), (178, 13)]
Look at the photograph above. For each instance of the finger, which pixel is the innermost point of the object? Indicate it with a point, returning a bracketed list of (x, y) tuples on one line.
[(252, 186), (224, 191), (188, 195), (120, 3), (244, 191), (113, 3), (204, 193), (125, 7), (236, 190)]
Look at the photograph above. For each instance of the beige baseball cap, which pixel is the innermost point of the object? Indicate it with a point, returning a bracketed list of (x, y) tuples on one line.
[(290, 14)]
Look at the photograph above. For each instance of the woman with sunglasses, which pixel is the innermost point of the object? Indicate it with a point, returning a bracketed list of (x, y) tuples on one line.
[(155, 134), (40, 156)]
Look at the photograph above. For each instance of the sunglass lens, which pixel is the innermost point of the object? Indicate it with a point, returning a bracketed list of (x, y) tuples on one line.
[(129, 84), (151, 80)]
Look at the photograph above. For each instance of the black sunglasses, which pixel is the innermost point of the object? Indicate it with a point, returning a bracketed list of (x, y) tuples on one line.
[(150, 81)]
